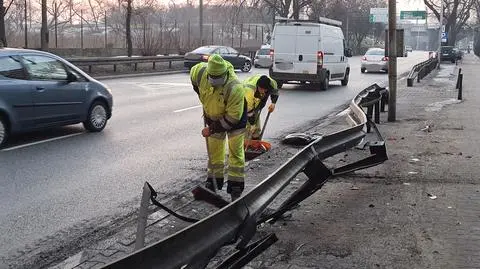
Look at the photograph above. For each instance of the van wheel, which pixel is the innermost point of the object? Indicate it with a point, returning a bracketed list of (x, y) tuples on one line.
[(325, 83), (345, 79), (3, 131), (97, 117), (363, 70)]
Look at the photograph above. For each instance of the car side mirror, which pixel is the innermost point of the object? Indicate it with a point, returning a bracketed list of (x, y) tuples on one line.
[(348, 53), (71, 77)]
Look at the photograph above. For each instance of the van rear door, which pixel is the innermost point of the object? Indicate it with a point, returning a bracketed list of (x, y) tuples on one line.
[(306, 49), (284, 48)]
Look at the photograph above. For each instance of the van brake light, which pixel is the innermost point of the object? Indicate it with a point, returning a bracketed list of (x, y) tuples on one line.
[(272, 52), (320, 58), (385, 59)]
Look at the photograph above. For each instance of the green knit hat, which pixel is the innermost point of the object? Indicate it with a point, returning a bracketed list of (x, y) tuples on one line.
[(216, 65)]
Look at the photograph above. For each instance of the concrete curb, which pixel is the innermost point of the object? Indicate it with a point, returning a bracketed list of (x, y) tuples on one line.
[(139, 75)]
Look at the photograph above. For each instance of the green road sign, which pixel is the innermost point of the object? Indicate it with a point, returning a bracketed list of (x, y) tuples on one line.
[(413, 15), (378, 18)]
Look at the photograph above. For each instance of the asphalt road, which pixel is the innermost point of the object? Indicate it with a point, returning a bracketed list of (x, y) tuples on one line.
[(56, 179)]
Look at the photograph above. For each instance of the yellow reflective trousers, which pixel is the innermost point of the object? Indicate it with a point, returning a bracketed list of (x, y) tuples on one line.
[(236, 155)]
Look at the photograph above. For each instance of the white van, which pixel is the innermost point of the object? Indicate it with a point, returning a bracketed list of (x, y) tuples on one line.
[(307, 51)]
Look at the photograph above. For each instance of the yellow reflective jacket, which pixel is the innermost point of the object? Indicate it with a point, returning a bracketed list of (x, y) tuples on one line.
[(224, 107), (255, 104)]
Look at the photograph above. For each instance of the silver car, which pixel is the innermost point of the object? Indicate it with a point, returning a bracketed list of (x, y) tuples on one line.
[(263, 58), (374, 60), (39, 90)]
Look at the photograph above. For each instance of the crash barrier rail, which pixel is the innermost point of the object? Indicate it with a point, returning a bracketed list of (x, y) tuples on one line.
[(460, 84), (236, 222), (95, 61), (420, 70)]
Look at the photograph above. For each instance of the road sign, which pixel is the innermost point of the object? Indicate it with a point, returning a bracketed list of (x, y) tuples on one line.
[(444, 37), (380, 18), (378, 11), (413, 15)]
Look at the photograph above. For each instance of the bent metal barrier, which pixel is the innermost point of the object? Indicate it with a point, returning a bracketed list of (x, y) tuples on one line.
[(196, 245), (95, 61), (421, 70)]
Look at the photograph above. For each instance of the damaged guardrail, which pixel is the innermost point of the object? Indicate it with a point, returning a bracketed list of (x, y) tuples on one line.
[(421, 70), (235, 223)]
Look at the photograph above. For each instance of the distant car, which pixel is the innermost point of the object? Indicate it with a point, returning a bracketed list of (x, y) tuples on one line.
[(448, 54), (374, 60), (408, 48), (263, 57), (40, 90), (202, 54)]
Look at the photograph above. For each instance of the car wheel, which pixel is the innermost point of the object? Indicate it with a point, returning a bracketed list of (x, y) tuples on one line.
[(3, 131), (325, 83), (363, 70), (256, 66), (247, 66), (97, 117), (345, 79)]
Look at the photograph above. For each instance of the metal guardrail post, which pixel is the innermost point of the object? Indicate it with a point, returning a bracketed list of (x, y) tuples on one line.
[(153, 66), (170, 64), (142, 218)]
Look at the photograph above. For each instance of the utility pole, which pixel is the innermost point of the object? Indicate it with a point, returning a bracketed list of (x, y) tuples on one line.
[(392, 59), (201, 22), (347, 30), (440, 30), (106, 30)]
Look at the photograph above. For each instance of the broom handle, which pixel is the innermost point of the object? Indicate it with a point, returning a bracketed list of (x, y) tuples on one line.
[(264, 125)]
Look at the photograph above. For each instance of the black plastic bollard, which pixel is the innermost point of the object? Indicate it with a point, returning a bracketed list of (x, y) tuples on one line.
[(458, 78), (460, 86)]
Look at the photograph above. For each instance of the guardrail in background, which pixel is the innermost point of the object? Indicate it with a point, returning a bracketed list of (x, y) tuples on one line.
[(421, 70), (94, 61), (194, 246)]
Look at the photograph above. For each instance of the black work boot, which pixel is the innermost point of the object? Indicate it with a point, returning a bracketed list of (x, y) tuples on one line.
[(235, 189), (209, 183)]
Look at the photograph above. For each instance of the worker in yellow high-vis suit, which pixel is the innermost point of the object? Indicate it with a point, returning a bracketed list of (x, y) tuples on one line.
[(225, 113), (257, 90)]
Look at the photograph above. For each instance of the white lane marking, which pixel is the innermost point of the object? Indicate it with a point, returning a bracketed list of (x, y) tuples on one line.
[(41, 142), (185, 109)]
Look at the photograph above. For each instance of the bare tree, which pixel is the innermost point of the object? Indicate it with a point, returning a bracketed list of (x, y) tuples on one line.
[(3, 13), (455, 15), (128, 31)]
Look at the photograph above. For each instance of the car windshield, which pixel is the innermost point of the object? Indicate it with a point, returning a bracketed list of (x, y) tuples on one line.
[(263, 52), (204, 50), (375, 52)]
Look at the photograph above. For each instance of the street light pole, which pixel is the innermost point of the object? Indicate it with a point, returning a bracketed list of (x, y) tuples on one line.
[(392, 59)]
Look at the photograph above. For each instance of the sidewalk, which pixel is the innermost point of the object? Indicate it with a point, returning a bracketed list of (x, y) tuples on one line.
[(420, 209)]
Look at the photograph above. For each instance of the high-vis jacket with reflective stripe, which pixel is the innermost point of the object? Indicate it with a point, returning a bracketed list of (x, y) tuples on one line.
[(256, 104), (224, 107)]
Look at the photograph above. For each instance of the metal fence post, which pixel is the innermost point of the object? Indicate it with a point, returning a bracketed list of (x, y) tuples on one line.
[(458, 78), (142, 217)]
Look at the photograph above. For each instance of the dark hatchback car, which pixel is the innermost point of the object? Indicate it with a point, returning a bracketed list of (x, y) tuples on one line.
[(448, 54), (40, 90), (201, 54)]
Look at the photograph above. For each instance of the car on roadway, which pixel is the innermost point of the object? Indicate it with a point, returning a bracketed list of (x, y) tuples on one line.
[(448, 54), (202, 54), (408, 48), (263, 57), (374, 60), (39, 90)]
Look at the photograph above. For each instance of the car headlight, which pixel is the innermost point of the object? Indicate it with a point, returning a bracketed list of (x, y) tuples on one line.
[(108, 90)]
